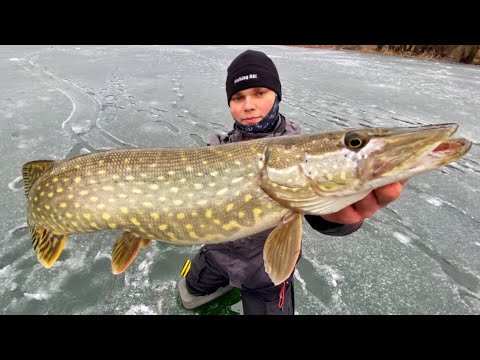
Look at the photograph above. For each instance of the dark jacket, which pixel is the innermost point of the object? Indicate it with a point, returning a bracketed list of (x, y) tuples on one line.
[(239, 259)]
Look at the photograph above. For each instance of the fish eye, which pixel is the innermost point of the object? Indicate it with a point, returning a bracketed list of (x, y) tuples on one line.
[(355, 141)]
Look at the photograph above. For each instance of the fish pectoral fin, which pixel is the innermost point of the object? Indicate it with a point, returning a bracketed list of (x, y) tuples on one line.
[(32, 170), (47, 245), (125, 250), (282, 248)]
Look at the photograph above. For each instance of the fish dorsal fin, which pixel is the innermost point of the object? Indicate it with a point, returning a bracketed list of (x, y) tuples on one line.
[(47, 245), (282, 248), (31, 171), (125, 250)]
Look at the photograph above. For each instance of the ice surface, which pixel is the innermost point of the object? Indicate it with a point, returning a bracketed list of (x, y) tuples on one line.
[(420, 255)]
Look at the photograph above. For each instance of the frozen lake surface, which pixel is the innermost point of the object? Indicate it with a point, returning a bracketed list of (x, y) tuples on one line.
[(420, 255)]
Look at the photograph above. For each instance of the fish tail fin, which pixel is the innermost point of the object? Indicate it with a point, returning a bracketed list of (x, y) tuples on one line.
[(282, 248), (46, 244), (32, 171)]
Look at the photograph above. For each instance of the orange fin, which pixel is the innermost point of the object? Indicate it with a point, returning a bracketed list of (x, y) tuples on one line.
[(282, 248), (125, 250)]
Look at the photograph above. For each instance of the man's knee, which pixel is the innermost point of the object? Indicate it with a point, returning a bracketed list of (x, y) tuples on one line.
[(203, 277)]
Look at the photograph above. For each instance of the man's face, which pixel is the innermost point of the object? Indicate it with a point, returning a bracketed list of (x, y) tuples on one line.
[(249, 106)]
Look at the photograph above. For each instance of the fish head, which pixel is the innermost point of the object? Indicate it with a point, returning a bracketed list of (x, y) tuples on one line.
[(385, 155), (351, 162)]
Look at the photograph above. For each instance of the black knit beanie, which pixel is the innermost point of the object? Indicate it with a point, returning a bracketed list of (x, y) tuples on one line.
[(252, 69)]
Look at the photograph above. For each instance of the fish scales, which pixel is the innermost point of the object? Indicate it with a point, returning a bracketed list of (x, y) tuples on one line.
[(222, 193), (203, 195)]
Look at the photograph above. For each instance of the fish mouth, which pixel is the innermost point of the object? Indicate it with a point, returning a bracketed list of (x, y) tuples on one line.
[(398, 153), (446, 152)]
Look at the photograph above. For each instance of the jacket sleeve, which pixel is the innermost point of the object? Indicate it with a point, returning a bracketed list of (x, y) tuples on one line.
[(329, 228), (215, 139)]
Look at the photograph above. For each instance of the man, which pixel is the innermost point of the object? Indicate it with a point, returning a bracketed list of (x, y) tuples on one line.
[(254, 93)]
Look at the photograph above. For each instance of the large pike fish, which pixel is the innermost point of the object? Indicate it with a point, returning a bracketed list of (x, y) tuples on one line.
[(223, 193)]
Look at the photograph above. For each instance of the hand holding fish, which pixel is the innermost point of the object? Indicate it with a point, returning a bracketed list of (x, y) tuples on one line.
[(367, 207)]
